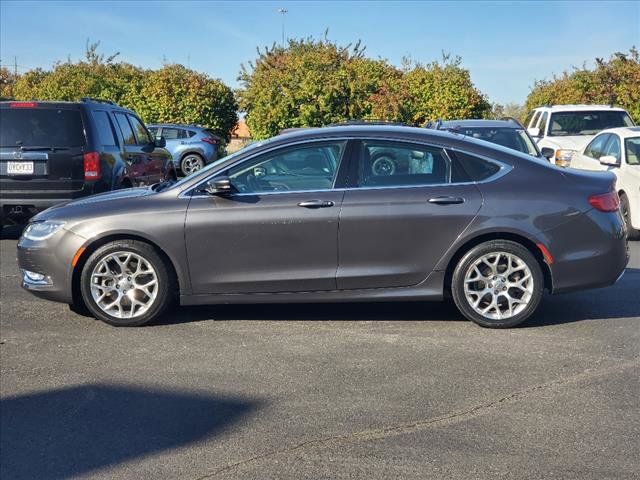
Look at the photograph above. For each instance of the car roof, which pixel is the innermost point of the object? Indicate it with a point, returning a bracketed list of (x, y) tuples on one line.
[(624, 132), (580, 107), (180, 125), (66, 104), (481, 123)]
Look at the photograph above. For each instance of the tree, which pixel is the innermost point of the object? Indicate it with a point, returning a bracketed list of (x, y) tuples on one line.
[(519, 112), (7, 83), (171, 94), (615, 81)]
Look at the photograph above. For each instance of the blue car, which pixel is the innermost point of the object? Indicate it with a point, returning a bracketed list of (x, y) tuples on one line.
[(192, 146)]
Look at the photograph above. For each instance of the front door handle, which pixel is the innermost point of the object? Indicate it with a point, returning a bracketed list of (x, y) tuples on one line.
[(316, 204), (446, 200)]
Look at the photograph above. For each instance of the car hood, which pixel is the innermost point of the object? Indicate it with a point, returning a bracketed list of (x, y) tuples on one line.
[(575, 142), (97, 201)]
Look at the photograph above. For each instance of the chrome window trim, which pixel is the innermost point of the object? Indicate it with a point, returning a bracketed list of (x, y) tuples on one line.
[(504, 169)]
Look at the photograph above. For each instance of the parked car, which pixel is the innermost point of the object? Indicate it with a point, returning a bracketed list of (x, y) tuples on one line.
[(618, 150), (566, 129), (508, 132), (304, 217), (192, 146), (54, 152)]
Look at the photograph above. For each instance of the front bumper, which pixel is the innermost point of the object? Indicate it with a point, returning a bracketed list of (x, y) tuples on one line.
[(52, 258)]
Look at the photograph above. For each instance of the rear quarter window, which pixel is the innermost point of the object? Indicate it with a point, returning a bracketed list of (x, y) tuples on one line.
[(104, 128), (41, 127), (470, 168)]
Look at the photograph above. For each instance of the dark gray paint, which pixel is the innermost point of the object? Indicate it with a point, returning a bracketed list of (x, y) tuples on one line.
[(381, 243)]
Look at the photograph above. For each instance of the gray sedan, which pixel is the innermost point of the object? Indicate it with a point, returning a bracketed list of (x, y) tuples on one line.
[(310, 216)]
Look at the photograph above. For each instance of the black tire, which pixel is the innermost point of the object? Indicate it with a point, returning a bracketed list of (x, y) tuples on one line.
[(625, 209), (193, 158), (166, 282), (471, 257)]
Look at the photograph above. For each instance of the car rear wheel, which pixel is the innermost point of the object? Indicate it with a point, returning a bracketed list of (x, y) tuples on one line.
[(497, 284), (191, 163), (625, 209), (126, 283)]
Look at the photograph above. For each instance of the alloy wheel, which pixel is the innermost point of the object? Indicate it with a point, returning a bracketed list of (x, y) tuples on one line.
[(124, 284), (498, 285), (191, 164)]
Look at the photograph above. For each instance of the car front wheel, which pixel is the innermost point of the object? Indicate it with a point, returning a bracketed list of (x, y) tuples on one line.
[(126, 283), (497, 284)]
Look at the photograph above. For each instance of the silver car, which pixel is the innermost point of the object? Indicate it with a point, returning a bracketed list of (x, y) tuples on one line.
[(191, 146)]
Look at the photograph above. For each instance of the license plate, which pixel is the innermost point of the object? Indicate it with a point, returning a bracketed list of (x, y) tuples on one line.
[(19, 168)]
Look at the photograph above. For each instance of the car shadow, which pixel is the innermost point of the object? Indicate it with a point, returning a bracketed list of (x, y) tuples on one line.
[(67, 432), (617, 301), (11, 232)]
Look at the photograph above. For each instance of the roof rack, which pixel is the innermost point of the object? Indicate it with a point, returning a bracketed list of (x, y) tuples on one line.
[(367, 122), (96, 100)]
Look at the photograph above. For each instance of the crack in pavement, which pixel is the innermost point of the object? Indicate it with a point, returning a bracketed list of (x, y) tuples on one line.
[(448, 418)]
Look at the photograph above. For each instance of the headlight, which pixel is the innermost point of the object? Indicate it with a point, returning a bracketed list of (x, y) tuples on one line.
[(41, 230), (563, 157)]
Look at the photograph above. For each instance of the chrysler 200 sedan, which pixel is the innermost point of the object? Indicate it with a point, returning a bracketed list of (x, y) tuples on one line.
[(310, 217)]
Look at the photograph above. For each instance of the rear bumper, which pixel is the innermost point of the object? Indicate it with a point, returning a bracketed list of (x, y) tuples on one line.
[(25, 203), (589, 252)]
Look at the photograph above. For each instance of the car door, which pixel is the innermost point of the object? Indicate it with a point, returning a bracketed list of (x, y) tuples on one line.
[(154, 158), (135, 157), (589, 159), (278, 232), (402, 215)]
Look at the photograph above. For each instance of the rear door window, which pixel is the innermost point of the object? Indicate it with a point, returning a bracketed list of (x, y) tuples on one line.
[(104, 127), (125, 128), (41, 127), (395, 164)]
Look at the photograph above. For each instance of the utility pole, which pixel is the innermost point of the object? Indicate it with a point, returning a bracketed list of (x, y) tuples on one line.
[(283, 12), (15, 67)]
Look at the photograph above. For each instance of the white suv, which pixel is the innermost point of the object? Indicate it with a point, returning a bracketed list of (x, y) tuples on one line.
[(563, 130)]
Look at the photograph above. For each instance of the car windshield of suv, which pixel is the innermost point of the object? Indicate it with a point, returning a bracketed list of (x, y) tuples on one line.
[(41, 127), (516, 139), (632, 149), (586, 122)]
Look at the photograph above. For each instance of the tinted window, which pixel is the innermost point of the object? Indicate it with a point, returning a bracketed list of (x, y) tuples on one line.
[(190, 133), (472, 168), (385, 163), (543, 124), (613, 147), (586, 123), (125, 128), (507, 137), (632, 149), (41, 127), (104, 128), (596, 148), (171, 133), (296, 169), (142, 135)]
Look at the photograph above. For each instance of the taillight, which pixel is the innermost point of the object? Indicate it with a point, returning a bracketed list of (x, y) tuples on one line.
[(605, 202), (91, 166), (22, 104), (210, 140)]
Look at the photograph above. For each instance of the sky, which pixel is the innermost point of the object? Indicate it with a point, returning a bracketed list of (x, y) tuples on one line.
[(505, 45)]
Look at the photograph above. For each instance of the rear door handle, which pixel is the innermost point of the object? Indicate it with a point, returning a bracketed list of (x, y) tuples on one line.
[(446, 200), (316, 204)]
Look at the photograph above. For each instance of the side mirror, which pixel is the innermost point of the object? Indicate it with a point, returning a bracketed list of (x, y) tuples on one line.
[(609, 160), (547, 152), (160, 142), (534, 131), (220, 186)]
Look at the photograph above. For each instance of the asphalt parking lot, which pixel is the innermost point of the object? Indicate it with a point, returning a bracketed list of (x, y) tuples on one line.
[(322, 391)]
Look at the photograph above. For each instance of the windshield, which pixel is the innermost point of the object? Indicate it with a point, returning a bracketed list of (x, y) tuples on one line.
[(632, 148), (41, 127), (586, 122), (515, 139)]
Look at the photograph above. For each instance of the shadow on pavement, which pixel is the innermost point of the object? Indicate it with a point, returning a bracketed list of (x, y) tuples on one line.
[(67, 432), (11, 232), (617, 301)]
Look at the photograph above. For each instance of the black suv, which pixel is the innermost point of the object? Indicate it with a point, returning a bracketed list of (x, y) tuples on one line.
[(53, 152), (507, 132)]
